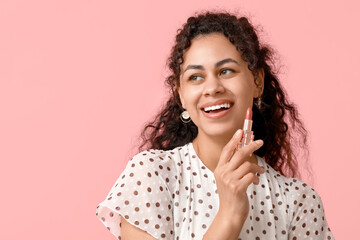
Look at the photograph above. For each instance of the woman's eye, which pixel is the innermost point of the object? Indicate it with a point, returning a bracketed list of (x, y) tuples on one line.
[(194, 78), (226, 71)]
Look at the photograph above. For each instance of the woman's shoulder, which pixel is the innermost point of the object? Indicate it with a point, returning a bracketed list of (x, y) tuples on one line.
[(298, 194), (286, 183), (303, 205), (159, 158), (144, 189)]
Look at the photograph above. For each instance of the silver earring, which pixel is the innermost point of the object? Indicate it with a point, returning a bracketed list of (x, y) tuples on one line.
[(185, 117), (258, 102)]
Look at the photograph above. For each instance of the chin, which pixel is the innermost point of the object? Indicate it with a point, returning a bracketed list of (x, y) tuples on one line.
[(221, 132)]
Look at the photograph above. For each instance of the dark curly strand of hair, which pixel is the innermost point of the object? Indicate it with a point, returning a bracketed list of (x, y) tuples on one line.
[(270, 121)]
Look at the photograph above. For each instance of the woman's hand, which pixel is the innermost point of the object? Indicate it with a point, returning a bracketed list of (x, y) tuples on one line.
[(233, 174)]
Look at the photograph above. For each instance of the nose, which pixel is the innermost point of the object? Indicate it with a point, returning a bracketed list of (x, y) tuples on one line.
[(213, 86)]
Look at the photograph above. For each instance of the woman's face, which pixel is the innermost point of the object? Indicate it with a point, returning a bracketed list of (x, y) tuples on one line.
[(213, 70)]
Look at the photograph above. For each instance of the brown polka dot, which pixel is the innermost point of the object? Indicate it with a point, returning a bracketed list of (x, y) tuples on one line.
[(146, 221), (127, 202), (137, 209), (157, 226)]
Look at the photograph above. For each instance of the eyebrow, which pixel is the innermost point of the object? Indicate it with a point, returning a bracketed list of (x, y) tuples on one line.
[(218, 64)]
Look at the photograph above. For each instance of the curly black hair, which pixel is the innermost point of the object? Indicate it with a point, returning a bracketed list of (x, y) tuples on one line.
[(277, 121)]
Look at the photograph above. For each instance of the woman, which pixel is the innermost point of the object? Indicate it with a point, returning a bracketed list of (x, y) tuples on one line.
[(197, 180)]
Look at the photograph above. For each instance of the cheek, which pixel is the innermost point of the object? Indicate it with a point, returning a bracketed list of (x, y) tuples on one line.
[(191, 97)]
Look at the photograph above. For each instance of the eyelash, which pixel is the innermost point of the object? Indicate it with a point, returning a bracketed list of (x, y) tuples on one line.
[(191, 77)]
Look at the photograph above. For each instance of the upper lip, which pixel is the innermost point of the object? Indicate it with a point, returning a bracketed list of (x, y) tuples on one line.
[(218, 102)]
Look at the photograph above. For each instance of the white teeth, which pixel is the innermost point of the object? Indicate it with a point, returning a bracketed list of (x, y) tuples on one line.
[(226, 105)]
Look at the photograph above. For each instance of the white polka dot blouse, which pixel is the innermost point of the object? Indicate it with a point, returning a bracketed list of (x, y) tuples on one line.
[(173, 195)]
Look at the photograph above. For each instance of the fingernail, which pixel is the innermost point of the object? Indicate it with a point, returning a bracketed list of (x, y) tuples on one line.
[(237, 133), (259, 142)]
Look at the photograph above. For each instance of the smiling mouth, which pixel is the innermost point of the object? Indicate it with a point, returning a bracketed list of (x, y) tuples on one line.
[(217, 110)]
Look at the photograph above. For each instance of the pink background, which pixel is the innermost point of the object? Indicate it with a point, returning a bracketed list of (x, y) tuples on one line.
[(78, 79)]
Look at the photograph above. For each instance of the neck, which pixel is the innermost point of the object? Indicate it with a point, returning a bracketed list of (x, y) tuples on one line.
[(209, 149)]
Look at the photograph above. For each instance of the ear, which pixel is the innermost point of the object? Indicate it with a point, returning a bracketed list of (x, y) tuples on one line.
[(178, 89), (259, 86)]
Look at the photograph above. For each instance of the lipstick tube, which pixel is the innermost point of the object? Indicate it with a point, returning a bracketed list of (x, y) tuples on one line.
[(248, 135)]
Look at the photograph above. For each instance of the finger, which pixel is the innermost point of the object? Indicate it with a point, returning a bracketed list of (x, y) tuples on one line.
[(230, 147), (245, 168), (247, 180), (243, 154)]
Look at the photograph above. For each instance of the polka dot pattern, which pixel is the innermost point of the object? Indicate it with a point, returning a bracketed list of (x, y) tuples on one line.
[(173, 195)]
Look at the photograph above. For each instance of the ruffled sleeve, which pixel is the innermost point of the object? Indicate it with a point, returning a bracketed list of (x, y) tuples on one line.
[(142, 196), (307, 214)]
